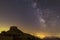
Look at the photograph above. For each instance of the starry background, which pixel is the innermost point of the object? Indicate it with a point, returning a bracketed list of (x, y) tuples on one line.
[(25, 15)]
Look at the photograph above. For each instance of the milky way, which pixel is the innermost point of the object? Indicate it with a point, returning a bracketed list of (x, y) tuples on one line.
[(39, 12), (47, 18), (31, 15)]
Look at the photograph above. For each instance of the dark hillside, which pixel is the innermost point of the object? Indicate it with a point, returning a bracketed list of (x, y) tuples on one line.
[(15, 34)]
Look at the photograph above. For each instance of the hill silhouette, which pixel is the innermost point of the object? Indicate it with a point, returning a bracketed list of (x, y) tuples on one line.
[(15, 34), (51, 38)]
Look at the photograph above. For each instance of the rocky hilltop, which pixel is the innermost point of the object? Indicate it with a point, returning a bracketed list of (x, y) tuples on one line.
[(15, 34)]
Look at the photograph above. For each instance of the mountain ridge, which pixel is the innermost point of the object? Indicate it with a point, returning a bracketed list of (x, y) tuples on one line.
[(15, 34)]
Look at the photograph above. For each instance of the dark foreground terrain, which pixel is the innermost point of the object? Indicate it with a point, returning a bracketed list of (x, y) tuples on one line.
[(15, 34)]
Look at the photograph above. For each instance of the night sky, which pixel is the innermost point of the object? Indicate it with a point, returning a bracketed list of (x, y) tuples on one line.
[(31, 16)]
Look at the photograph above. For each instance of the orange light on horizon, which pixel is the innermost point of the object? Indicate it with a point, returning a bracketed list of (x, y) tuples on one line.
[(4, 29), (41, 35)]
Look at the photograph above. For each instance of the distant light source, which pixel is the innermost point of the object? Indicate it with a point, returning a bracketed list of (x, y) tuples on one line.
[(41, 35), (4, 29)]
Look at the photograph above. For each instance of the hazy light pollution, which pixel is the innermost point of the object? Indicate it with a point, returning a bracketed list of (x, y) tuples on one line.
[(31, 16)]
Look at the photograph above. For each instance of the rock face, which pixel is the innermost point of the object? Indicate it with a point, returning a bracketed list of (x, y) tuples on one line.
[(15, 34)]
